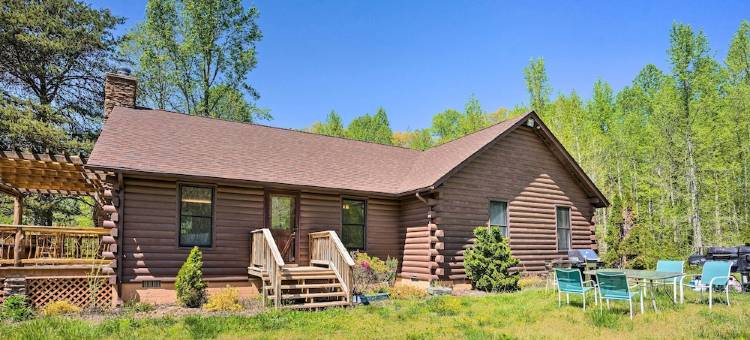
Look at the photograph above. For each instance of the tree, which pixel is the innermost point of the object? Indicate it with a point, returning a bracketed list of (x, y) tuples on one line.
[(688, 55), (488, 263), (52, 62), (52, 66), (375, 129), (738, 58), (333, 126), (445, 125), (417, 139), (189, 285), (474, 118), (194, 56), (537, 83)]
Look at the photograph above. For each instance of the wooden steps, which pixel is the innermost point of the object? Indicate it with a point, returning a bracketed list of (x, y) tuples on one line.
[(304, 287)]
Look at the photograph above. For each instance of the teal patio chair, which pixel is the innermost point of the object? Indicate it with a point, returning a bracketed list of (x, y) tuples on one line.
[(671, 267), (715, 275), (614, 286), (569, 281)]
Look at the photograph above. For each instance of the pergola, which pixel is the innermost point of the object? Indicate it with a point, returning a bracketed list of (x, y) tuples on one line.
[(23, 173)]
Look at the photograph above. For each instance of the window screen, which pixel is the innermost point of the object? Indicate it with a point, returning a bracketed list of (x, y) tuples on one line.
[(499, 215), (563, 228), (196, 216), (353, 226)]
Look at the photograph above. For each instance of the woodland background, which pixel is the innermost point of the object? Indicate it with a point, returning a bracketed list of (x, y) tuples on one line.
[(670, 151)]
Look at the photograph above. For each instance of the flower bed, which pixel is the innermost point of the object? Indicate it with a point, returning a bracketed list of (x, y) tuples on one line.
[(373, 277)]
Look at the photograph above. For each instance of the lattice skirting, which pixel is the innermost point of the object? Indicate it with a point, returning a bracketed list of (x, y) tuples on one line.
[(79, 291)]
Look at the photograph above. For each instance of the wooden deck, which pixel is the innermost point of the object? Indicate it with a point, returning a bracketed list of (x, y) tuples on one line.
[(326, 282)]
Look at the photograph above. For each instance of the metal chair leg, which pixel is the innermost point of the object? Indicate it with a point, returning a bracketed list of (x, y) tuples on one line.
[(727, 290), (559, 298), (584, 300), (567, 298), (710, 296), (630, 302)]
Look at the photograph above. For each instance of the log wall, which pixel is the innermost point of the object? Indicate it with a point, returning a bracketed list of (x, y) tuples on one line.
[(521, 170)]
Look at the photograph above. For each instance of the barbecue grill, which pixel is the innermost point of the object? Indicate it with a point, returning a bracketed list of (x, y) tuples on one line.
[(584, 259)]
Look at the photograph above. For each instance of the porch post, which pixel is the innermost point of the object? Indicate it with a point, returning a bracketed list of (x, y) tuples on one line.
[(17, 219)]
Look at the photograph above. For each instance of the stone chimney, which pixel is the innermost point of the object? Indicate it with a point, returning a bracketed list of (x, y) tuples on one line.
[(119, 90)]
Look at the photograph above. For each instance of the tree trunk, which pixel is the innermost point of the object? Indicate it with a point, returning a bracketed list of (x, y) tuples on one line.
[(692, 183)]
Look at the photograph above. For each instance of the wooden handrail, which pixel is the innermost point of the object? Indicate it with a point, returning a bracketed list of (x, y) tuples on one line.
[(265, 254), (24, 244), (325, 246), (56, 229)]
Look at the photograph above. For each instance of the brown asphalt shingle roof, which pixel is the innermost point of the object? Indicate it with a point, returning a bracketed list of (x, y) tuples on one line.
[(154, 141)]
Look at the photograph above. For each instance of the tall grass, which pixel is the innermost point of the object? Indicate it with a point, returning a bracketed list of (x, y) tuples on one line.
[(526, 314)]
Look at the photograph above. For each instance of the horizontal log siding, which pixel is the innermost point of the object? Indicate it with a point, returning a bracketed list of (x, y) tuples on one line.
[(521, 170), (414, 215), (317, 212), (383, 228), (150, 230)]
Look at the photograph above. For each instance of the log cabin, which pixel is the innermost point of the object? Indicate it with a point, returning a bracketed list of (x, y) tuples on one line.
[(270, 207)]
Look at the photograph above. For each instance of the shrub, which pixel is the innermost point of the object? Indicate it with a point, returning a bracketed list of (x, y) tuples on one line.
[(407, 292), (16, 308), (489, 261), (61, 307), (372, 273), (191, 290), (227, 300)]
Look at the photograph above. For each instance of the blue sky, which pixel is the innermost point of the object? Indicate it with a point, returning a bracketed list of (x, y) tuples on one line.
[(418, 58)]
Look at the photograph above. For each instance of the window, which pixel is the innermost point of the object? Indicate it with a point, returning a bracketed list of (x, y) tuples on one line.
[(353, 224), (282, 212), (563, 228), (499, 215), (196, 216)]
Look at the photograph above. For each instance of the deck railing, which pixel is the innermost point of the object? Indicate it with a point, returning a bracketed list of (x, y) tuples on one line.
[(326, 248), (265, 254), (42, 245)]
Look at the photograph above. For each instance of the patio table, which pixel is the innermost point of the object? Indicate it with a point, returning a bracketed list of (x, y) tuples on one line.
[(649, 276)]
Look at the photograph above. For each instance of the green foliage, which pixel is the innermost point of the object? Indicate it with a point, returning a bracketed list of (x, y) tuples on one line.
[(371, 274), (62, 307), (193, 56), (16, 308), (537, 83), (368, 128), (502, 316), (189, 285), (138, 307), (489, 261), (51, 97), (226, 300), (333, 126)]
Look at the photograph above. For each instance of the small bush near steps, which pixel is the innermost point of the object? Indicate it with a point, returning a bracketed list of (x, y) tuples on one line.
[(16, 308), (191, 290), (489, 261), (227, 300), (62, 307)]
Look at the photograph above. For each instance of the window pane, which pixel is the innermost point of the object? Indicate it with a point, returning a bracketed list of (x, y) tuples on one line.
[(353, 212), (498, 213), (353, 236), (195, 231), (563, 239), (563, 228), (563, 218), (282, 212), (196, 214)]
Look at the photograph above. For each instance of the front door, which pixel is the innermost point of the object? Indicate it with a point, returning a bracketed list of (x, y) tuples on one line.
[(282, 220)]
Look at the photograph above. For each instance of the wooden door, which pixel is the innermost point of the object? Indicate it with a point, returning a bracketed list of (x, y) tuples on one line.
[(282, 220)]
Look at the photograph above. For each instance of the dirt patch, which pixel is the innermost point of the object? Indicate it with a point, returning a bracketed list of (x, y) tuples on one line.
[(251, 307)]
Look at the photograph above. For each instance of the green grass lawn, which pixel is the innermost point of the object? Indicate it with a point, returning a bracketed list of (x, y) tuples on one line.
[(526, 314)]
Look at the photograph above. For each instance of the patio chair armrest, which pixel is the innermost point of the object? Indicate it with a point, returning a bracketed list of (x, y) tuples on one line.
[(711, 283), (593, 284)]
